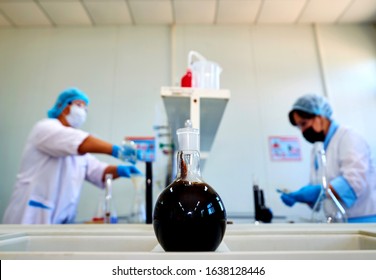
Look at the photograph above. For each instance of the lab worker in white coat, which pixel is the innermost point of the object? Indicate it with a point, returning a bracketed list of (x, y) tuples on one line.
[(351, 171), (55, 162)]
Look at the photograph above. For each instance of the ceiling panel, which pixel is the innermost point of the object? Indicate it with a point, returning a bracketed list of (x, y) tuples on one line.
[(52, 0), (360, 11), (24, 13), (3, 21), (238, 11), (57, 13), (324, 11), (195, 11), (109, 12), (66, 12), (151, 11), (281, 11), (13, 1)]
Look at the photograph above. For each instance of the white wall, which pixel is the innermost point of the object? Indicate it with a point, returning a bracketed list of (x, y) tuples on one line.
[(265, 67), (349, 61), (117, 68)]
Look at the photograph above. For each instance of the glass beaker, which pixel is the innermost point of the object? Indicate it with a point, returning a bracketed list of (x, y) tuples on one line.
[(138, 211), (110, 216), (100, 212), (327, 208), (106, 212)]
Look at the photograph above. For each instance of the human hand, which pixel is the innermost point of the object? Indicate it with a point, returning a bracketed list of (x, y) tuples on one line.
[(127, 171), (126, 152), (307, 194)]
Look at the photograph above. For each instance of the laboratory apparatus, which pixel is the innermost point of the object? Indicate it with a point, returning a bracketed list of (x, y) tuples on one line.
[(109, 207), (262, 213), (128, 152), (145, 153), (138, 211), (99, 215), (106, 212), (327, 208), (186, 80), (189, 215), (204, 73)]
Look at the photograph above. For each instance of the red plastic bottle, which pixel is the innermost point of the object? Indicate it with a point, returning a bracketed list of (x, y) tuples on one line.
[(186, 80)]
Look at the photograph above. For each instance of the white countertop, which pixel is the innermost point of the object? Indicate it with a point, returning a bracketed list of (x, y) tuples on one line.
[(138, 241)]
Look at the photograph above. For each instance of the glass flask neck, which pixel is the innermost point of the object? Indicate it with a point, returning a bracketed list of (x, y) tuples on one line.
[(189, 165)]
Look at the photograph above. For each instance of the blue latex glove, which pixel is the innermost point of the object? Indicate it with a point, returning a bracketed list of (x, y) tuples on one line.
[(125, 153), (127, 170), (307, 194)]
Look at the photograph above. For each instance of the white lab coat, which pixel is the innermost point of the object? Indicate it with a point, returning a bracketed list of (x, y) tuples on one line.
[(51, 176), (348, 155)]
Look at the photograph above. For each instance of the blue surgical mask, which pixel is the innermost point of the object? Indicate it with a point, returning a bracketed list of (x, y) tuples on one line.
[(76, 116)]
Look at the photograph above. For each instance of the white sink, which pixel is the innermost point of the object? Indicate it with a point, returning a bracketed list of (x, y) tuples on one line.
[(79, 244), (301, 242)]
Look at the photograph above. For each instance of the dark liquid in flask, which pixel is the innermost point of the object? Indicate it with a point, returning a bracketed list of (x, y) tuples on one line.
[(189, 216)]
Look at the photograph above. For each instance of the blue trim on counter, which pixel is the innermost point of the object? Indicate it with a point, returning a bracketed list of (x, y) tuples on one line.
[(365, 219)]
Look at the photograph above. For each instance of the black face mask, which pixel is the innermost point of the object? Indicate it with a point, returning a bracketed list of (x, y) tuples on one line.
[(312, 136)]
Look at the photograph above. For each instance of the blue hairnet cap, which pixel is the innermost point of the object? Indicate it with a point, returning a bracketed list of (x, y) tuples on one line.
[(313, 104), (64, 99)]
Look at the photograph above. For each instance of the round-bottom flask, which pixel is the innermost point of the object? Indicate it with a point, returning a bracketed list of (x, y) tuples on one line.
[(189, 215)]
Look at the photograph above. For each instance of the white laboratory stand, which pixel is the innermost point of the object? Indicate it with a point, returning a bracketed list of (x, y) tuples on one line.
[(204, 107)]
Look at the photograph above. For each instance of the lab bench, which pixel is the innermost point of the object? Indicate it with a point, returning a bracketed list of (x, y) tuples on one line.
[(247, 241)]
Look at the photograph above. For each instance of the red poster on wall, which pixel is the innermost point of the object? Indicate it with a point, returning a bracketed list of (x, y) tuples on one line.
[(284, 148)]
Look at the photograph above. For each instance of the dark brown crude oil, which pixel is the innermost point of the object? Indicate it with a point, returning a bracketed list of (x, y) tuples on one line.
[(189, 216)]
